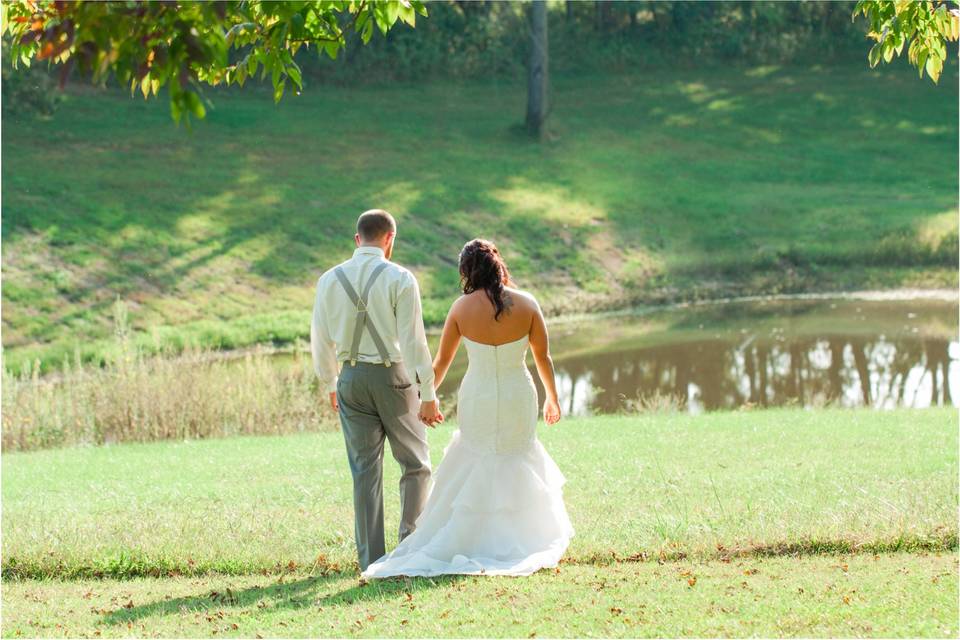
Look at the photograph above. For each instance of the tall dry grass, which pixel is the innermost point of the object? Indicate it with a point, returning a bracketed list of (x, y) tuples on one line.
[(139, 398)]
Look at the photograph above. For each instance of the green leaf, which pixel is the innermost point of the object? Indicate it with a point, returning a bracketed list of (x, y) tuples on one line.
[(380, 17), (175, 112), (195, 104), (874, 56), (294, 72), (407, 14), (933, 68), (887, 51), (367, 32), (296, 25), (278, 90), (921, 60), (392, 11)]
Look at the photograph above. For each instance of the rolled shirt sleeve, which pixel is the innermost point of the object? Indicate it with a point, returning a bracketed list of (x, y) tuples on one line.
[(322, 347), (412, 337)]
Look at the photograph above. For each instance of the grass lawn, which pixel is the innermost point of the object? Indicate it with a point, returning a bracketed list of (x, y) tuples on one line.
[(769, 523), (654, 486), (676, 184), (906, 595)]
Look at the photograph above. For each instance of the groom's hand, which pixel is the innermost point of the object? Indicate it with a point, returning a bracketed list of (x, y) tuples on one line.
[(333, 401), (430, 413)]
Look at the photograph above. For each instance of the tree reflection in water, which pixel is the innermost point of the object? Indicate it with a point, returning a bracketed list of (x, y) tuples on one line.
[(771, 371)]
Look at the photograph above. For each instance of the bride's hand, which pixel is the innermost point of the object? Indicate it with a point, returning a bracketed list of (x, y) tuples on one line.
[(551, 411)]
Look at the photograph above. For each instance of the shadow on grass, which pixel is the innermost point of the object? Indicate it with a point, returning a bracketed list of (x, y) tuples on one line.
[(298, 594)]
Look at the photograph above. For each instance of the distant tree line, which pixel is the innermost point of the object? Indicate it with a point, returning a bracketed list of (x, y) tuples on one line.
[(180, 46), (484, 38)]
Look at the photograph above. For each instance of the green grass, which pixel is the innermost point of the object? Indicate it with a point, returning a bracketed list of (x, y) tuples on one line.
[(654, 486), (774, 523), (899, 595), (660, 185)]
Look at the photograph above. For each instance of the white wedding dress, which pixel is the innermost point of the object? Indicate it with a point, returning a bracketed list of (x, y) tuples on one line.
[(497, 505)]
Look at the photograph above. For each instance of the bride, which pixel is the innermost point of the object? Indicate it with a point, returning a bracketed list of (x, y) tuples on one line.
[(496, 507)]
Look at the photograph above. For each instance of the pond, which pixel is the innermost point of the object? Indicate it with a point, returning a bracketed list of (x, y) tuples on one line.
[(881, 353)]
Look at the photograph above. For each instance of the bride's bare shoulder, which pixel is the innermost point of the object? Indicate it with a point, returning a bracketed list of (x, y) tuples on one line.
[(458, 305), (521, 298)]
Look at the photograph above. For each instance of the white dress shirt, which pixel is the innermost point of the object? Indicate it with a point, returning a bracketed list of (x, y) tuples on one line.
[(393, 308)]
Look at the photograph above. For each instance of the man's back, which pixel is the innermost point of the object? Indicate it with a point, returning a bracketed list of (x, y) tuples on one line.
[(393, 309), (367, 316)]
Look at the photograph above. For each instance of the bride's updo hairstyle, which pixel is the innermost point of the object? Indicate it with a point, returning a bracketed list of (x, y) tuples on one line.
[(482, 267)]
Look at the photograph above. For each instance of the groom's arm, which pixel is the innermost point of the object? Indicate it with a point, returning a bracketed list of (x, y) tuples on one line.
[(413, 338), (322, 347)]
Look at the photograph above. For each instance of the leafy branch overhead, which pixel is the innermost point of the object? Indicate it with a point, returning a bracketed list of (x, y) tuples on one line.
[(923, 26), (182, 44)]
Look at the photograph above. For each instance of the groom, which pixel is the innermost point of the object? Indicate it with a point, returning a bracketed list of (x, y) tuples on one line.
[(367, 316)]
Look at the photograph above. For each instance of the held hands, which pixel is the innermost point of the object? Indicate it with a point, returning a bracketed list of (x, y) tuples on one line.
[(430, 413), (551, 411)]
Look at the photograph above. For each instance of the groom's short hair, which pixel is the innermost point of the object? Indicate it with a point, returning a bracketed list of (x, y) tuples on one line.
[(374, 224)]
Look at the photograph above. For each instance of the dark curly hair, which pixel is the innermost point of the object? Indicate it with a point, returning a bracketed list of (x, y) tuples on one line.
[(482, 267)]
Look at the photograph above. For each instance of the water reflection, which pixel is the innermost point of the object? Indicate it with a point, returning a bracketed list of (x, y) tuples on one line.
[(881, 355), (714, 374)]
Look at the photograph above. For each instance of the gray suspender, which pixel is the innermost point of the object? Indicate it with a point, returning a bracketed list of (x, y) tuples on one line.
[(360, 302)]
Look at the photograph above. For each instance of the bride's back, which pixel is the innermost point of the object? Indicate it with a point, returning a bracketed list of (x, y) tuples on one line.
[(474, 314)]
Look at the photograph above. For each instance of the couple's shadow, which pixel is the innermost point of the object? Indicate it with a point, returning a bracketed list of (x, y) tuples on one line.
[(297, 594)]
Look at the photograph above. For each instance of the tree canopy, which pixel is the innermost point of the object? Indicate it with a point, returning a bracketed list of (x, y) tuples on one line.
[(182, 44), (924, 27)]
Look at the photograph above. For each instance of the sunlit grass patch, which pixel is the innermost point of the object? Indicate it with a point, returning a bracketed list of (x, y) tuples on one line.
[(654, 485)]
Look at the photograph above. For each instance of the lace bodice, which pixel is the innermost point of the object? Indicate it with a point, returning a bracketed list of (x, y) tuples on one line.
[(497, 401)]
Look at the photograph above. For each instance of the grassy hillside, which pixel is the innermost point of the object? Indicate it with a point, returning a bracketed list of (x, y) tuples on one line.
[(660, 185)]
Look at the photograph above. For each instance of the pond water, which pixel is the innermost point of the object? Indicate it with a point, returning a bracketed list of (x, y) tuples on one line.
[(813, 352)]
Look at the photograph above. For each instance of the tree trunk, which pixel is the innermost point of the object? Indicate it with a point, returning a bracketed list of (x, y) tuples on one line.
[(601, 15), (537, 79), (569, 11)]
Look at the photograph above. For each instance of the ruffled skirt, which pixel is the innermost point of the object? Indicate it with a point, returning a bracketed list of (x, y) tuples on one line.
[(488, 514)]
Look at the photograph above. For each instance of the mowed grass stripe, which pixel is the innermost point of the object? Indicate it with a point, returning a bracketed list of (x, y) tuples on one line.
[(663, 485)]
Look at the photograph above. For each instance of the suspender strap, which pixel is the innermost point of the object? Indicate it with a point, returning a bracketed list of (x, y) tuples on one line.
[(360, 302)]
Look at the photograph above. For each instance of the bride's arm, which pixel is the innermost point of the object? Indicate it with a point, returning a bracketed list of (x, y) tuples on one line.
[(540, 346), (449, 341)]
